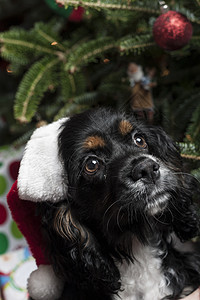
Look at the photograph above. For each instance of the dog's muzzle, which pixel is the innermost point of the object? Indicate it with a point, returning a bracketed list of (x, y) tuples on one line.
[(148, 182)]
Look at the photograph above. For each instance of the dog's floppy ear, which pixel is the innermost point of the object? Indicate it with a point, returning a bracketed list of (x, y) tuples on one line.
[(186, 225), (186, 222), (77, 255), (186, 219), (41, 174)]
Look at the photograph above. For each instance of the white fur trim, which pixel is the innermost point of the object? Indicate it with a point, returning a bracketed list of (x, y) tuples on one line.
[(41, 174), (43, 284)]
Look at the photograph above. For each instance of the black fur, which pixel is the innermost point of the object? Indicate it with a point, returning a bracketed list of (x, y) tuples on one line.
[(93, 227)]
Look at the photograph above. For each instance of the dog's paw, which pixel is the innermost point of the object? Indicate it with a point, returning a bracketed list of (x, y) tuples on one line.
[(43, 284)]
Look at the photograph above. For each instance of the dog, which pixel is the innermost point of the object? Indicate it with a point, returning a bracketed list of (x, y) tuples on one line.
[(112, 237)]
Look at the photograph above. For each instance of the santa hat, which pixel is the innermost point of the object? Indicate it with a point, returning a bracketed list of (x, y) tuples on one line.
[(41, 178)]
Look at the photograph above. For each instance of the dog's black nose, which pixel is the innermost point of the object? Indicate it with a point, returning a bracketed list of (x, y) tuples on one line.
[(146, 169)]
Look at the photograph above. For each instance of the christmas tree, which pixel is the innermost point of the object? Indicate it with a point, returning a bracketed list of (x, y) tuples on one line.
[(58, 67)]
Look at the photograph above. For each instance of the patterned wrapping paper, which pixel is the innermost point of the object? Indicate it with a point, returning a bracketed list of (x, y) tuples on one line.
[(15, 268), (16, 262), (10, 237)]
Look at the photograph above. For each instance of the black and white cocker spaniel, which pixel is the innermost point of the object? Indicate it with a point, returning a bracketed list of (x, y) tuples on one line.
[(112, 237)]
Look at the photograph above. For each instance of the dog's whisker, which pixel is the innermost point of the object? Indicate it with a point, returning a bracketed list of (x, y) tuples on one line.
[(171, 214), (118, 214), (176, 208), (110, 207), (72, 187), (107, 198), (189, 175), (147, 220), (159, 221), (107, 225)]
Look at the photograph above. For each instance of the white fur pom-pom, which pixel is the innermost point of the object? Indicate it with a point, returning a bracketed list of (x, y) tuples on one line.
[(43, 284)]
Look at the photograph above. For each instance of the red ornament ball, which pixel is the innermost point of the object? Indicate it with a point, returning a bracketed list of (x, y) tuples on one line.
[(172, 30)]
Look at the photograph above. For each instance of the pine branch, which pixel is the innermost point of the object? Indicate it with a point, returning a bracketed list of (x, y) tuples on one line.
[(67, 110), (17, 68), (32, 87), (77, 104), (88, 52), (123, 15), (20, 43), (86, 99), (71, 84), (25, 44), (186, 12), (137, 44), (188, 150), (112, 4), (14, 57), (149, 7), (196, 173), (189, 156), (21, 47), (48, 35), (22, 140)]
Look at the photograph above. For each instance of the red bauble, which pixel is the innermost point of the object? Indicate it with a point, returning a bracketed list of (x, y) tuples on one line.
[(77, 14), (172, 30)]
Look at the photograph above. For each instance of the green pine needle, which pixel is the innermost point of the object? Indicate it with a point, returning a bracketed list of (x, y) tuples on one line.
[(24, 45), (136, 44), (78, 104), (196, 173), (32, 87), (187, 148), (71, 84), (189, 151), (150, 8), (47, 36), (22, 140), (88, 52)]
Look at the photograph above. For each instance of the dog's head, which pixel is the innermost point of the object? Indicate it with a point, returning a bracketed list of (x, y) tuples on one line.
[(124, 179), (119, 171)]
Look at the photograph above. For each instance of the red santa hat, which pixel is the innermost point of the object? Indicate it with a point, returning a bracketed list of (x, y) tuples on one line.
[(41, 178)]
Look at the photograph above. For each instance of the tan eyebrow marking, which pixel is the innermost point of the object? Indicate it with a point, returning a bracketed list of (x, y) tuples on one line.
[(125, 127), (94, 142)]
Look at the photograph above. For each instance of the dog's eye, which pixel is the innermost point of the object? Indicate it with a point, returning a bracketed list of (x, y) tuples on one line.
[(139, 141), (91, 166)]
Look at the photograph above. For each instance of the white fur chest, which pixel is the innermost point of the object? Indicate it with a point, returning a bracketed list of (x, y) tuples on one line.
[(143, 279)]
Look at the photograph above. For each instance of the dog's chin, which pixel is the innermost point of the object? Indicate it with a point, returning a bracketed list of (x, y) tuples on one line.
[(156, 199), (148, 199), (157, 204)]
